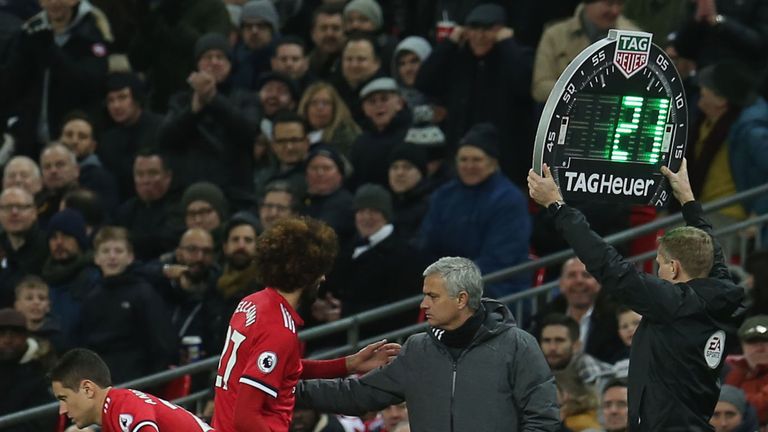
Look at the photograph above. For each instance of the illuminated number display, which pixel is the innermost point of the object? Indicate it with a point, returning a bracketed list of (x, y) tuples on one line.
[(615, 116)]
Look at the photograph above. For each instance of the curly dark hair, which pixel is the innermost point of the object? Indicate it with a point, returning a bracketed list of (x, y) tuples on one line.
[(295, 253)]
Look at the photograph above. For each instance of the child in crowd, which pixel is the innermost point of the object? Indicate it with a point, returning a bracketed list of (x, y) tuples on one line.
[(34, 302), (123, 318), (628, 322)]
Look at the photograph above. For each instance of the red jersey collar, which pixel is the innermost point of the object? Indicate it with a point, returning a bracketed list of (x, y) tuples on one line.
[(272, 292)]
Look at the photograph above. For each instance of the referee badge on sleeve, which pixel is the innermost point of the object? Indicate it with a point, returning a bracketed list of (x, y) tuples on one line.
[(267, 361)]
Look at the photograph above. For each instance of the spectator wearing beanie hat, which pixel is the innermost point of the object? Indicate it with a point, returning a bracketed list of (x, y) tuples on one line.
[(408, 57), (327, 199), (259, 31), (365, 17), (204, 206), (133, 127), (379, 267), (164, 44), (409, 186), (732, 412), (277, 92), (432, 139), (209, 130), (69, 269), (480, 215)]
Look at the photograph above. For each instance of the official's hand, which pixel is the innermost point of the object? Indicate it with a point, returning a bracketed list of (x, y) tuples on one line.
[(374, 355), (457, 35), (504, 33), (681, 186), (543, 189)]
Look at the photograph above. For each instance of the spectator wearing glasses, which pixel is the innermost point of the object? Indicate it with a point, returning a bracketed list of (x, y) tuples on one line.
[(280, 201), (205, 207), (22, 241), (184, 279), (290, 146)]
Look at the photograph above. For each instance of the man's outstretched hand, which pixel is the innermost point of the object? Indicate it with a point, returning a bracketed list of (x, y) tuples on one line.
[(374, 355), (681, 186), (543, 189)]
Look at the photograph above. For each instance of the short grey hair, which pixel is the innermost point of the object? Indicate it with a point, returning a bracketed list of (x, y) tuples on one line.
[(24, 160), (459, 274), (56, 145)]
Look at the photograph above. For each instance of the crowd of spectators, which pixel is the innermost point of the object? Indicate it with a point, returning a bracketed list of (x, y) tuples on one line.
[(145, 145)]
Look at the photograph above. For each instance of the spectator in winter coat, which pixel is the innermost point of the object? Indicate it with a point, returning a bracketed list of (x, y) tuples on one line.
[(749, 372), (387, 123), (210, 128), (480, 215), (124, 319), (481, 74)]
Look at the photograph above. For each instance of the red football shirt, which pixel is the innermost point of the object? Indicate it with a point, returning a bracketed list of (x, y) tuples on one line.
[(262, 351), (128, 410)]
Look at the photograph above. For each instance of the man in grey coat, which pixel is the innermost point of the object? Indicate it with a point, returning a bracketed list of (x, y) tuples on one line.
[(474, 369)]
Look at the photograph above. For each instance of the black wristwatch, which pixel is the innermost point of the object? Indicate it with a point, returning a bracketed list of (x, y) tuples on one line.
[(555, 207)]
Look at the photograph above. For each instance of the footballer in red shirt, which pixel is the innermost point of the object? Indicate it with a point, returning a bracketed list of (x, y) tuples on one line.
[(261, 360), (82, 383)]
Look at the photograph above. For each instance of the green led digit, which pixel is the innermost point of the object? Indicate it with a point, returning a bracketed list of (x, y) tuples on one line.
[(626, 126), (656, 128)]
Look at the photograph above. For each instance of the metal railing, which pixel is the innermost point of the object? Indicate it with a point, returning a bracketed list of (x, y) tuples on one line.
[(352, 324)]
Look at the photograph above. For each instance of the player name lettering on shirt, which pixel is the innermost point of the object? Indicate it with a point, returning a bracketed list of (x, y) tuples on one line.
[(143, 396), (249, 309)]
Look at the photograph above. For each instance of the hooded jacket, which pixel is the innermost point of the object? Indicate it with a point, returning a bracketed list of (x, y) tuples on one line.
[(500, 382), (678, 349)]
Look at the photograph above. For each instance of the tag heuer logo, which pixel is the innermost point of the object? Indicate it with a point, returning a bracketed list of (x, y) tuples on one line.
[(632, 52)]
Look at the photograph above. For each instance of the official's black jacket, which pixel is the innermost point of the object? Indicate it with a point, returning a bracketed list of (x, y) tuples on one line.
[(679, 348)]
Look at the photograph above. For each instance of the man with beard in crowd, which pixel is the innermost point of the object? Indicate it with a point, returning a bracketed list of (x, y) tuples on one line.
[(69, 270), (238, 277), (189, 274), (329, 38)]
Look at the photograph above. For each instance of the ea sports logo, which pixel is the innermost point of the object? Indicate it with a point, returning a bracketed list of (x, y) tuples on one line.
[(713, 349)]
